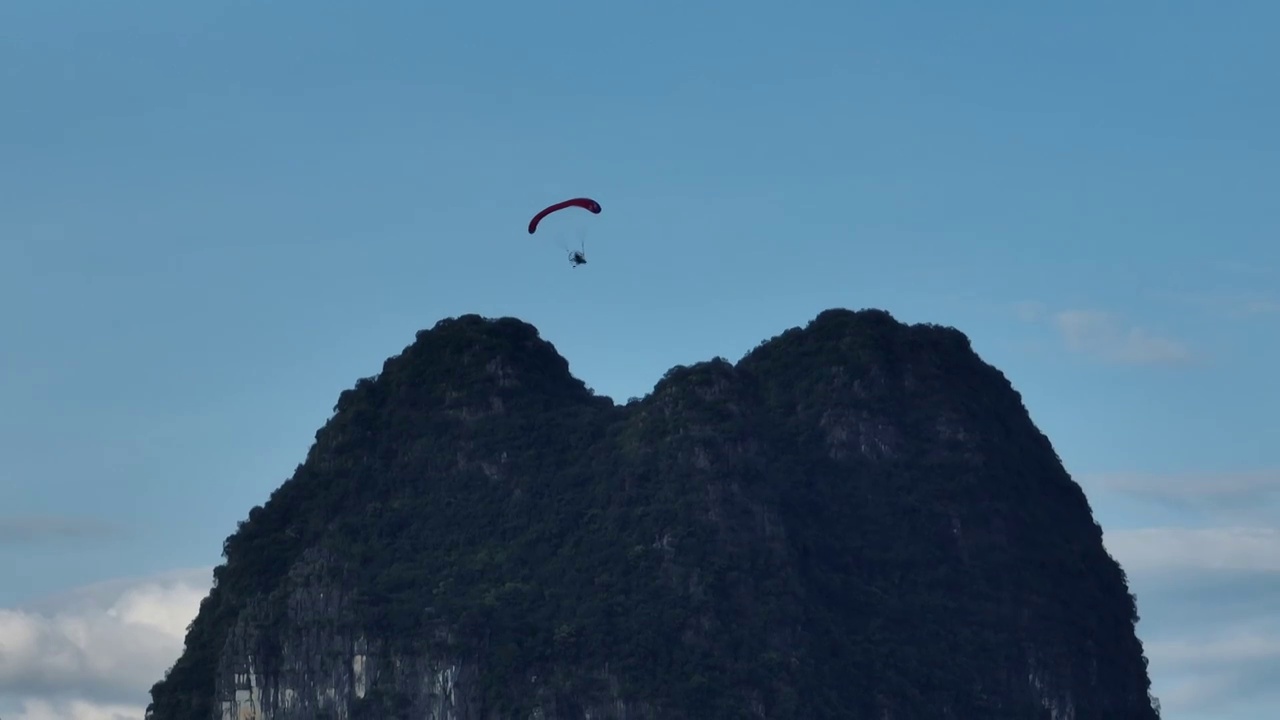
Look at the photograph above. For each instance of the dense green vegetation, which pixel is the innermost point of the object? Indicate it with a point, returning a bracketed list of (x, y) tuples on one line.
[(857, 516)]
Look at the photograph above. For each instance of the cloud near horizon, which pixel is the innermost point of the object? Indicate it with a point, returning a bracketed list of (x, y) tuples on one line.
[(1208, 588), (93, 653)]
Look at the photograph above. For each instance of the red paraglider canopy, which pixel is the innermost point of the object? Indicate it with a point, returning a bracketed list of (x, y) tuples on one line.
[(582, 202)]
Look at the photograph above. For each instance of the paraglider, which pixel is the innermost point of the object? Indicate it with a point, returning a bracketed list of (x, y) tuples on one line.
[(585, 203), (576, 257)]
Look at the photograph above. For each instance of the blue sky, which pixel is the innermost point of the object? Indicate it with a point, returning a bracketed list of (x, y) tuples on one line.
[(214, 217)]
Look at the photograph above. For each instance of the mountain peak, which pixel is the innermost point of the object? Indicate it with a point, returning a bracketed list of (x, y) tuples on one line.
[(857, 519)]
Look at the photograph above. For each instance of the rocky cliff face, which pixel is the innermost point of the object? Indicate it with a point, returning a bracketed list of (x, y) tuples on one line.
[(321, 661), (856, 520)]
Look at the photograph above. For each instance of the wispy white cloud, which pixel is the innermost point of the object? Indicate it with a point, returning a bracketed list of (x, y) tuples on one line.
[(1242, 268), (1260, 644), (26, 529), (1211, 674), (1183, 550), (1029, 310), (95, 652), (1104, 336), (1235, 304), (1258, 306), (1233, 496)]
